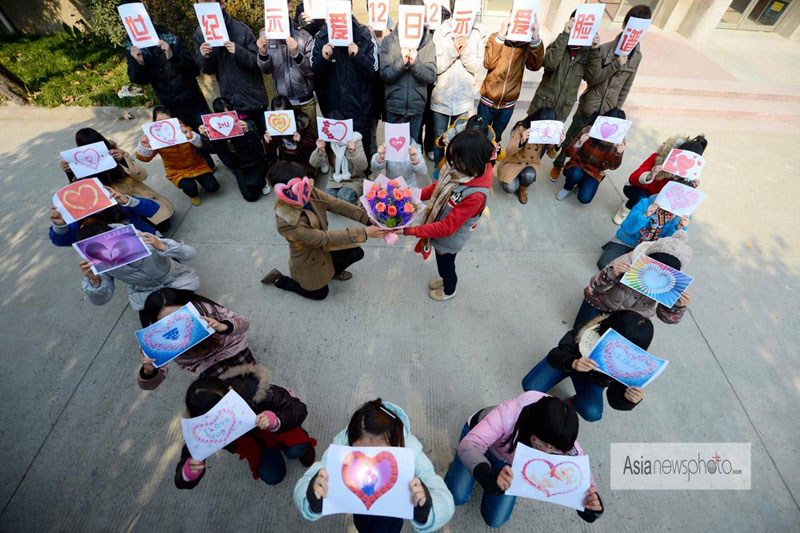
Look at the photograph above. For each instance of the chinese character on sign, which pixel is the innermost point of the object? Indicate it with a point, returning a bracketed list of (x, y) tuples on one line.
[(522, 21), (274, 20), (210, 27), (629, 40), (583, 25), (137, 28), (462, 19), (413, 26), (338, 26)]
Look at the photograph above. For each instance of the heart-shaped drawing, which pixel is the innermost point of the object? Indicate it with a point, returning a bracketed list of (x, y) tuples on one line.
[(174, 335), (223, 124), (622, 362), (216, 431), (112, 256), (88, 158), (607, 130), (279, 121), (335, 129), (369, 478), (296, 192), (681, 197), (679, 163), (83, 198), (163, 131), (552, 479), (397, 143)]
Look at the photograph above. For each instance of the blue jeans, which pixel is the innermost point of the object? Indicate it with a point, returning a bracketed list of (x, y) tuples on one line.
[(344, 193), (634, 194), (272, 469), (497, 118), (588, 400), (495, 508), (586, 314), (587, 185), (414, 122)]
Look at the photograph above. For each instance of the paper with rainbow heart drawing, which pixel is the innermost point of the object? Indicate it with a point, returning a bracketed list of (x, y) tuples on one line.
[(280, 122), (164, 133), (222, 125), (369, 480), (174, 334), (656, 280), (89, 160), (224, 423), (82, 198), (679, 199), (619, 358), (112, 249), (610, 129), (552, 478)]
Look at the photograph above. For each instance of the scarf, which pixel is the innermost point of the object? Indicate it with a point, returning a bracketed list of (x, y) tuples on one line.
[(653, 229), (340, 167), (448, 181)]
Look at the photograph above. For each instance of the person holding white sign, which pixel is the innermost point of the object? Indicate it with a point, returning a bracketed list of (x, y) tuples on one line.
[(278, 430), (609, 81), (379, 423), (489, 440)]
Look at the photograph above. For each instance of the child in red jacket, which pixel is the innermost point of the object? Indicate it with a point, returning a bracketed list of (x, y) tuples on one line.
[(649, 178), (457, 202)]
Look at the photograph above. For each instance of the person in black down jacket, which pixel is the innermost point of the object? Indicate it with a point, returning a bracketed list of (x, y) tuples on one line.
[(236, 67), (343, 78), (571, 358), (278, 429)]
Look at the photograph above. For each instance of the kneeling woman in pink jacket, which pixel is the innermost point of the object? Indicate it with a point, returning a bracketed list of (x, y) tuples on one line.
[(487, 446)]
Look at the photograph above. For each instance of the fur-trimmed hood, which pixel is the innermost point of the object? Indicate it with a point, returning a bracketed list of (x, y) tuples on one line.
[(260, 372)]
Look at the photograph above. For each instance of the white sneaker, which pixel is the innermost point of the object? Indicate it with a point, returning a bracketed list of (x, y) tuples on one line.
[(430, 155), (561, 194), (324, 169), (266, 190), (621, 215)]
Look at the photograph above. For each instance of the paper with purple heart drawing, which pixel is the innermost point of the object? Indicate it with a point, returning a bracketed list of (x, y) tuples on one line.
[(369, 480), (112, 249), (546, 132), (174, 334), (397, 141), (552, 478), (609, 129), (679, 199), (228, 420), (89, 160), (619, 358)]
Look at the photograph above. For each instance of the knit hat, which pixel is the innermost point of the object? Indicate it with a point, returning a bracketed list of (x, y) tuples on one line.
[(588, 340)]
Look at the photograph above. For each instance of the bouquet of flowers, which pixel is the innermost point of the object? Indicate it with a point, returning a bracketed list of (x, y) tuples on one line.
[(391, 203)]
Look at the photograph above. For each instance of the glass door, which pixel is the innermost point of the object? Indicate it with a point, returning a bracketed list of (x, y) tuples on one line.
[(754, 14)]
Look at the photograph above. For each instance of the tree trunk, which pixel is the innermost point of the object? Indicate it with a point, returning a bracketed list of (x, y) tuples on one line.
[(12, 89)]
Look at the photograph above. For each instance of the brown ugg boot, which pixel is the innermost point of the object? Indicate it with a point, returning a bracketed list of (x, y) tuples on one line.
[(522, 193)]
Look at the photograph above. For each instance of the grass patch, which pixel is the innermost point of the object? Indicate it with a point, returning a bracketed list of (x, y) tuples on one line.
[(63, 70)]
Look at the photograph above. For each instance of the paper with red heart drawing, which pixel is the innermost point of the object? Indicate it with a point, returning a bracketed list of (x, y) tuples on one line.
[(624, 361), (546, 132), (331, 130), (280, 122), (89, 160), (684, 163), (164, 133), (228, 420), (222, 125), (609, 129), (112, 249), (369, 480), (552, 478), (397, 138), (82, 198), (680, 199), (174, 334)]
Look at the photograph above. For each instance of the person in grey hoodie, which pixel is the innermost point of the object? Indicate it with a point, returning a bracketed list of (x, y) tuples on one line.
[(409, 169), (407, 72)]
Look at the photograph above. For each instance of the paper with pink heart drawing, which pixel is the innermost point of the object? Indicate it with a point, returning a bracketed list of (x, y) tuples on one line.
[(609, 129), (546, 132), (89, 160), (331, 130), (619, 358), (174, 334), (553, 478), (684, 163), (112, 249), (164, 133), (228, 420), (397, 138), (369, 480), (679, 199)]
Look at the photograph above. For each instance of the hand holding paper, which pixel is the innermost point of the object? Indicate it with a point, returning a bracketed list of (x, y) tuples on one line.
[(560, 479)]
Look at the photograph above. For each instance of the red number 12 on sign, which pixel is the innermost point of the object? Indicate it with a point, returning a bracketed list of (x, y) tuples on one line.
[(210, 27), (378, 12)]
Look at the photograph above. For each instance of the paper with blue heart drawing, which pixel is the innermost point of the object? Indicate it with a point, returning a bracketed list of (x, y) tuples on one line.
[(619, 358), (173, 335)]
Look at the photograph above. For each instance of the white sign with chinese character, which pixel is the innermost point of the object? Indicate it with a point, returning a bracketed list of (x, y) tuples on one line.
[(138, 25), (276, 19), (378, 14), (523, 16), (433, 14), (464, 13), (340, 23), (209, 15), (634, 31), (587, 21), (411, 25)]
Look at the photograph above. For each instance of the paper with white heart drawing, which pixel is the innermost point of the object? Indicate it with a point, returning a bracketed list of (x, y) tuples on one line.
[(619, 358), (410, 25), (330, 130), (552, 478), (222, 125), (610, 129), (680, 199), (174, 334), (280, 122), (378, 12), (89, 159), (433, 14), (587, 22), (316, 9), (523, 16), (212, 23), (369, 480), (231, 418), (656, 280), (112, 249), (684, 163), (546, 132), (164, 133), (82, 198), (138, 25), (340, 22), (464, 13), (632, 35), (397, 137), (276, 19)]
